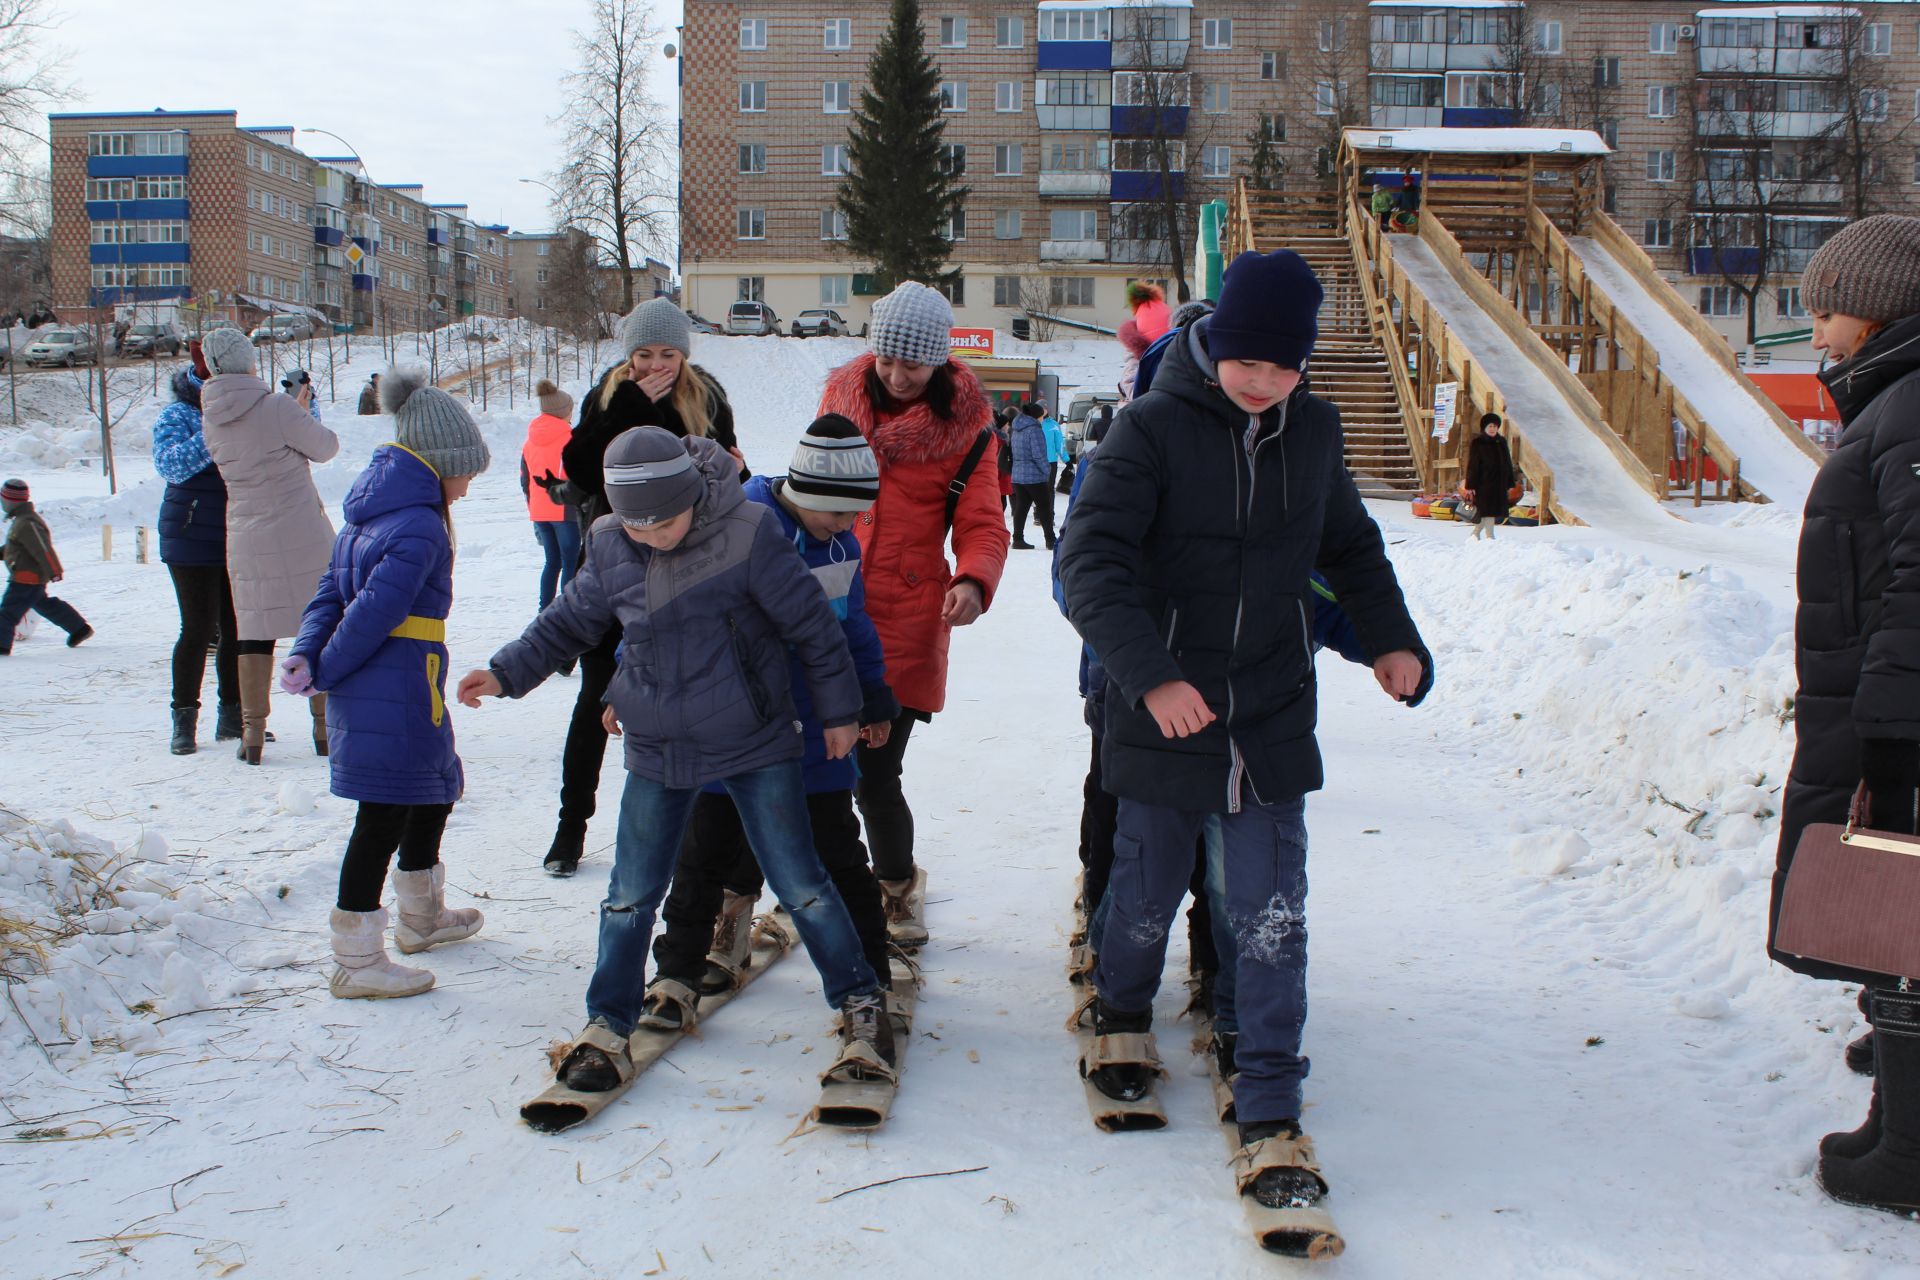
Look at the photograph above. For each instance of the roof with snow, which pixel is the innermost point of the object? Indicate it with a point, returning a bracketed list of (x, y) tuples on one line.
[(1780, 11), (1114, 4), (1447, 4), (1579, 142)]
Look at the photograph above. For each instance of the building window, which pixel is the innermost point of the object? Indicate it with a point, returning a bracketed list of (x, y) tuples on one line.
[(953, 95), (836, 97), (750, 288), (1663, 100), (1609, 198), (1273, 65), (1006, 291), (1546, 100), (833, 224), (1721, 301), (753, 95), (1274, 126), (1663, 37), (1879, 42), (753, 33), (1609, 131), (1006, 95), (1916, 168), (953, 159), (1216, 97), (1326, 98), (833, 160), (1874, 105), (1006, 224), (954, 290), (1216, 162), (1787, 304), (1216, 33), (1660, 165), (1070, 291), (1657, 233), (753, 157), (839, 33), (1333, 35), (1546, 38), (1009, 33), (953, 33), (955, 227), (1606, 73), (751, 224), (1075, 24), (1007, 160), (834, 290), (1073, 224), (172, 142)]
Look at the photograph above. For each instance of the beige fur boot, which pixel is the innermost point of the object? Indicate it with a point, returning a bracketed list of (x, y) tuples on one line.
[(425, 919), (361, 968)]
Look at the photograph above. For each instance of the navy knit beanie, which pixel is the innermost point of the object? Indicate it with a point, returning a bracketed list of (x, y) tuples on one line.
[(1269, 309)]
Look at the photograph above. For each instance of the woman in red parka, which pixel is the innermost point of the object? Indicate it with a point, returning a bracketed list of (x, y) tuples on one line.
[(924, 413)]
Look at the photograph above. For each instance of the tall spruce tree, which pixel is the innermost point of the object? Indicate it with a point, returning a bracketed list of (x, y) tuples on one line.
[(899, 197)]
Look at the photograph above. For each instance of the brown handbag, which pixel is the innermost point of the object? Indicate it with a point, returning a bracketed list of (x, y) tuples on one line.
[(1853, 897)]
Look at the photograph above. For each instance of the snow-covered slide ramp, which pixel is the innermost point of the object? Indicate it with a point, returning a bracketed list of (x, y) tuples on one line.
[(1775, 457), (1590, 481)]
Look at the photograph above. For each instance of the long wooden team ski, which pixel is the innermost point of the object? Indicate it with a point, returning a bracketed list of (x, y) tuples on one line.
[(560, 1108), (857, 1091)]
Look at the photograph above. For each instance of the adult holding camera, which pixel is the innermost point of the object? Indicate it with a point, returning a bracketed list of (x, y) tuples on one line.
[(656, 385), (279, 538)]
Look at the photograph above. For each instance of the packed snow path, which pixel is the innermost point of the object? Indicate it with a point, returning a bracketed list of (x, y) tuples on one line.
[(1769, 461), (1545, 1040)]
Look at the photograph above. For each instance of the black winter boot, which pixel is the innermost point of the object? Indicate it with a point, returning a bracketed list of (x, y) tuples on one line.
[(1287, 1187), (1860, 1055), (185, 721), (1888, 1176), (563, 856), (1121, 1081), (226, 723), (1858, 1142)]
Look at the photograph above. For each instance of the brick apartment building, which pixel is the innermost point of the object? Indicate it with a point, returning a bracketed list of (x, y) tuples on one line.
[(1710, 108), (531, 270), (188, 211)]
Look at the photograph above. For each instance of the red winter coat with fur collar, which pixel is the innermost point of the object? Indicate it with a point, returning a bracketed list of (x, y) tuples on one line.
[(902, 545)]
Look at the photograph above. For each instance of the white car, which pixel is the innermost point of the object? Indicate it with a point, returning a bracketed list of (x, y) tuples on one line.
[(283, 329), (818, 322)]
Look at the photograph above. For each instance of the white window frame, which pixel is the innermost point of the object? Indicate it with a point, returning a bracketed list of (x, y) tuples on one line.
[(1216, 97), (955, 228), (1086, 224), (952, 158), (753, 33), (753, 154), (833, 160), (1663, 37), (953, 32), (1721, 302), (1606, 70), (1650, 236), (833, 224), (1071, 291), (1665, 96), (1273, 65), (1006, 291), (1548, 39), (836, 97), (836, 291), (1007, 96), (1332, 38), (1006, 226), (748, 95), (1003, 27), (1875, 105), (1877, 41), (1008, 160), (1326, 98), (1787, 304), (749, 223), (837, 34), (953, 96), (1216, 162), (750, 289), (1216, 33)]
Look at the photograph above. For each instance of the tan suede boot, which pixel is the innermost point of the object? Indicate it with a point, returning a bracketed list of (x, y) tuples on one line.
[(256, 684), (425, 919), (361, 968), (731, 954), (317, 707)]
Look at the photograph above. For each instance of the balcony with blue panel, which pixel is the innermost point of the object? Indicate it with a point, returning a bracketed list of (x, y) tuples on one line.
[(1147, 122), (332, 237), (366, 245), (138, 293), (107, 255), (137, 210), (362, 284), (136, 166), (1075, 55), (1726, 261), (1140, 184), (436, 236), (1479, 117)]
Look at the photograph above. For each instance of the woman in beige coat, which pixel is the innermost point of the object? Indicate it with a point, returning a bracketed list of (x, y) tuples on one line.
[(278, 535)]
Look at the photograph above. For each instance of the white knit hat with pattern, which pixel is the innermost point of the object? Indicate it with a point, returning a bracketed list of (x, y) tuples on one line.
[(913, 323)]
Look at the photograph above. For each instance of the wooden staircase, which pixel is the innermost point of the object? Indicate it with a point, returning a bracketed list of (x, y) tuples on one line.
[(1349, 365)]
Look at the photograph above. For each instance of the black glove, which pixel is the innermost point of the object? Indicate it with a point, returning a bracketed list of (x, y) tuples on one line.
[(1425, 686), (561, 491)]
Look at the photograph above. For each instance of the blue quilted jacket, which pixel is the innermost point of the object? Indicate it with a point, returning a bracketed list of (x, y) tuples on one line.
[(193, 510), (1029, 451), (388, 735)]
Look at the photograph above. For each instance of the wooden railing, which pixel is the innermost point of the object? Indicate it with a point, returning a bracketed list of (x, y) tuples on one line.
[(1414, 418)]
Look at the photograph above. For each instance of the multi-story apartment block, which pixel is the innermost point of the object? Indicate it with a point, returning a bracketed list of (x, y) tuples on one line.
[(1077, 123), (190, 210), (533, 273)]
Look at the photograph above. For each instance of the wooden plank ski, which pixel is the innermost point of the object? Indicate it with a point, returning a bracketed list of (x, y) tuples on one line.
[(865, 1104), (560, 1108), (1113, 1115)]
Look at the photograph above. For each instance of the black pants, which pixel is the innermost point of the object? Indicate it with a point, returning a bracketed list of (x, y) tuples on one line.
[(251, 648), (23, 596), (205, 597), (1037, 498), (378, 830), (883, 805), (586, 747), (715, 856)]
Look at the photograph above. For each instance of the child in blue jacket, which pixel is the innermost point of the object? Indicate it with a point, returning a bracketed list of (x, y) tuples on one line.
[(833, 478), (373, 639)]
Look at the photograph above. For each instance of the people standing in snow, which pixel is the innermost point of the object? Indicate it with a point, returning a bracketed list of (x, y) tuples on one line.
[(705, 946), (32, 566), (710, 598), (1148, 303), (556, 526), (279, 538), (654, 385), (1856, 635), (374, 640), (1490, 476), (193, 546), (1031, 490), (370, 397), (1186, 568), (927, 418)]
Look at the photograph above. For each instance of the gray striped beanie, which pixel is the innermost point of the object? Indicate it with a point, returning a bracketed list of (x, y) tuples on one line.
[(657, 323), (432, 424), (1869, 270), (833, 468), (913, 323), (650, 476)]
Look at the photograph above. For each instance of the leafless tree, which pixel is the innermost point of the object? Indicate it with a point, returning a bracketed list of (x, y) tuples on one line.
[(32, 80), (577, 288), (1329, 82), (1036, 303), (1161, 149), (614, 177), (1870, 136)]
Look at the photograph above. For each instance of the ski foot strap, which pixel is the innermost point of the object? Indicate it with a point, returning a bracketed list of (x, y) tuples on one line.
[(598, 1036), (1121, 1048), (859, 1061), (1277, 1152), (665, 991), (767, 932), (1080, 962)]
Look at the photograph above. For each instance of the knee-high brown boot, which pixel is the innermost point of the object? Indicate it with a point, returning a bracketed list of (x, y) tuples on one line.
[(317, 704), (256, 682)]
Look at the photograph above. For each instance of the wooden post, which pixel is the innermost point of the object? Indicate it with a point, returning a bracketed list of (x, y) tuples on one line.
[(106, 542), (140, 534)]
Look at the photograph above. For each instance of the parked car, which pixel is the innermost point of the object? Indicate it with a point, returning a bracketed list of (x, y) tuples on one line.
[(701, 324), (283, 328), (1078, 410), (752, 318), (61, 346), (818, 322), (151, 340)]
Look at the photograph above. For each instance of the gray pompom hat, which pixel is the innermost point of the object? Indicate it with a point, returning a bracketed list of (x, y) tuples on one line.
[(657, 322), (227, 351), (650, 476), (431, 423)]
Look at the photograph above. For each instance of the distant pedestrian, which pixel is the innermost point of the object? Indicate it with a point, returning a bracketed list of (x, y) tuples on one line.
[(1031, 490), (555, 525), (1056, 442), (32, 566), (370, 397), (1490, 476)]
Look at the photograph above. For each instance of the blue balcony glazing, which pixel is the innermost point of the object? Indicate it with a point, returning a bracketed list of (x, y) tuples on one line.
[(1479, 117), (136, 210), (1075, 55), (333, 237), (436, 236), (362, 284), (1724, 261), (1146, 122), (137, 293), (111, 254), (136, 166), (367, 246), (1134, 184)]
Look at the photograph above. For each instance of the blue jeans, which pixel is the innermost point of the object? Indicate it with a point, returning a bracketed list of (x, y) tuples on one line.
[(1226, 977), (22, 597), (653, 820), (1264, 877), (560, 539)]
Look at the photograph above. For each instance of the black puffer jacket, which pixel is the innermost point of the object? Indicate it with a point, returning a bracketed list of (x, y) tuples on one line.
[(1490, 475), (1186, 559), (1857, 631), (629, 408)]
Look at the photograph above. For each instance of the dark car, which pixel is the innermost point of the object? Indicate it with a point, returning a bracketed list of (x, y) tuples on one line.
[(151, 340)]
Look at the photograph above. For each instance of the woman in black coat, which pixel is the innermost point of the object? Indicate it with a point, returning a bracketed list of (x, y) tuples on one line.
[(1490, 475), (1857, 651)]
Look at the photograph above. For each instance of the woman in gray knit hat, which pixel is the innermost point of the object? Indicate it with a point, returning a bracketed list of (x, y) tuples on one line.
[(1857, 636)]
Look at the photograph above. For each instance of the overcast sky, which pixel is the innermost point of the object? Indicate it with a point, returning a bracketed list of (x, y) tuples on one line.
[(454, 94)]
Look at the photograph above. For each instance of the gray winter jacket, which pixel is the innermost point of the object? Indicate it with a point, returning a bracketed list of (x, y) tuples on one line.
[(703, 689)]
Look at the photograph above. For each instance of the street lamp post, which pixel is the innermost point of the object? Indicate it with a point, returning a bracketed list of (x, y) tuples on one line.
[(555, 192), (366, 204)]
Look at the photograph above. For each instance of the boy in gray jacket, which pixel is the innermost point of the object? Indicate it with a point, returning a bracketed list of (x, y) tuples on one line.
[(32, 567), (709, 596)]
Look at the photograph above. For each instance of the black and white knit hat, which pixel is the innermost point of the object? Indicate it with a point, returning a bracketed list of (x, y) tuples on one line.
[(650, 476), (833, 468), (913, 323)]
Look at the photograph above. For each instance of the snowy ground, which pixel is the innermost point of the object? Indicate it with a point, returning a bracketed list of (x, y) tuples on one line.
[(1546, 1041)]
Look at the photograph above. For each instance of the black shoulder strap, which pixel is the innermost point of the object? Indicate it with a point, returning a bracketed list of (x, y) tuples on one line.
[(958, 485)]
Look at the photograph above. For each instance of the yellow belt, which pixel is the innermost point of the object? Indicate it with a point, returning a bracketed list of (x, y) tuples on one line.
[(432, 630)]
